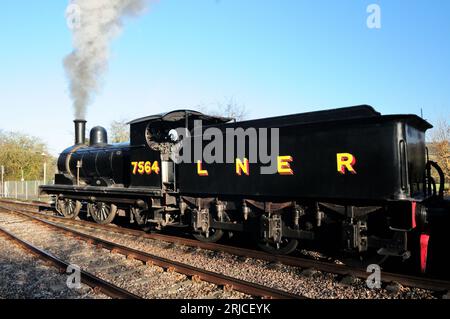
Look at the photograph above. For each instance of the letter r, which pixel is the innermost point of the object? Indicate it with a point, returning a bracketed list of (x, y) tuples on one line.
[(345, 161)]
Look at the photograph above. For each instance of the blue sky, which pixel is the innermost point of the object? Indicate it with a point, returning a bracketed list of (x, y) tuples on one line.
[(274, 56)]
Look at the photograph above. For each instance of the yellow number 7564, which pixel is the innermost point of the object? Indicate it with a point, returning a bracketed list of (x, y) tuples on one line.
[(142, 168)]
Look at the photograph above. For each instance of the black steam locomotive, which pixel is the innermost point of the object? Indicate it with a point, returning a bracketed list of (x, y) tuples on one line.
[(350, 176)]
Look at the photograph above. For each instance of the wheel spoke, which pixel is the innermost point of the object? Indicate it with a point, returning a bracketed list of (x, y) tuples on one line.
[(69, 208), (102, 213)]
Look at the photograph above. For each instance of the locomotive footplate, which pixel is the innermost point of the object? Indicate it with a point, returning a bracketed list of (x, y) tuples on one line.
[(90, 193)]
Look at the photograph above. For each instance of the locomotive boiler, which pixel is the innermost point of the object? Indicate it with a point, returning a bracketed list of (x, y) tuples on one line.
[(350, 176)]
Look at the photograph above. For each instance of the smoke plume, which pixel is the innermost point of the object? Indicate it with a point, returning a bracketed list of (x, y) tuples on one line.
[(94, 23)]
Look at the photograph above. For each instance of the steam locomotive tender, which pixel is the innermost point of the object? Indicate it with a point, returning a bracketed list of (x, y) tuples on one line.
[(348, 176)]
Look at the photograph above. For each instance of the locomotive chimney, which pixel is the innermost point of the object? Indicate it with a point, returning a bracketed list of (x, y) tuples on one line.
[(80, 132)]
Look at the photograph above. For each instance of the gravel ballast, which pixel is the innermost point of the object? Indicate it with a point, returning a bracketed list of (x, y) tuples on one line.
[(147, 281), (309, 283)]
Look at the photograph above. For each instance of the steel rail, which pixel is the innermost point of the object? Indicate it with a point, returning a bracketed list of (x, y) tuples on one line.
[(87, 278), (344, 270), (32, 203), (193, 272)]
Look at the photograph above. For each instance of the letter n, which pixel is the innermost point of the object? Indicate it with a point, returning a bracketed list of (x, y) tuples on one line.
[(242, 167)]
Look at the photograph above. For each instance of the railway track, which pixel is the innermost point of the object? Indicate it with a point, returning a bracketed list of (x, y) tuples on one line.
[(98, 284), (194, 273), (440, 286)]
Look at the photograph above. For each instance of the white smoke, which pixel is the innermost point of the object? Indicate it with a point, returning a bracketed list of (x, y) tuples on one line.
[(94, 23)]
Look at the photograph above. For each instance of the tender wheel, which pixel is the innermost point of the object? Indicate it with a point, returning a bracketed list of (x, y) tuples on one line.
[(281, 246), (102, 213), (68, 207), (213, 235), (287, 246)]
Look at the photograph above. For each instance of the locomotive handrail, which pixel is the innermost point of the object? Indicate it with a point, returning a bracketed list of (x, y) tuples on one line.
[(441, 177)]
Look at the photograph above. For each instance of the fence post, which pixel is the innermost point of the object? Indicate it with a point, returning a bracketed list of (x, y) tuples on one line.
[(3, 182), (24, 190)]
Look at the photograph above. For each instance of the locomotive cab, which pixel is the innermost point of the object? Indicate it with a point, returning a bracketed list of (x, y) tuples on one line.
[(152, 141)]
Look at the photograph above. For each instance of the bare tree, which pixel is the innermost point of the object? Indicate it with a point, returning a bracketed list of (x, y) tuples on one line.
[(234, 110), (230, 109), (119, 131)]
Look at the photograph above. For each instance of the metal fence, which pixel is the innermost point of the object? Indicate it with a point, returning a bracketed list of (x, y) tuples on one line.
[(23, 190)]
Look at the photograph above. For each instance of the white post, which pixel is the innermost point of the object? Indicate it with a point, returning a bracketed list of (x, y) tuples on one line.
[(45, 172), (3, 182), (26, 190)]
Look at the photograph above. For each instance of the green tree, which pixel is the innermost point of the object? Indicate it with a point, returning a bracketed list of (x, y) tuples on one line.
[(24, 156)]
